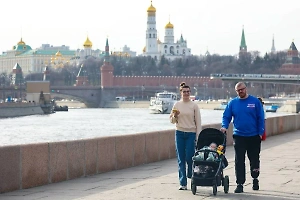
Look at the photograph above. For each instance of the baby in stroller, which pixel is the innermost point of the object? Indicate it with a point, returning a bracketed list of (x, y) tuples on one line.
[(209, 161), (211, 155)]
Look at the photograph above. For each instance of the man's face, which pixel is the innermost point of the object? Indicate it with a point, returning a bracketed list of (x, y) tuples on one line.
[(241, 91)]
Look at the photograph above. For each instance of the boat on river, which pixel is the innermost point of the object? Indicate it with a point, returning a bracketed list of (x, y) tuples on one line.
[(271, 108), (163, 102), (60, 108), (222, 106)]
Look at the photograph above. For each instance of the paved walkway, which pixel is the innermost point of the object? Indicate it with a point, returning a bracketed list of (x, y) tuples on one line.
[(280, 179)]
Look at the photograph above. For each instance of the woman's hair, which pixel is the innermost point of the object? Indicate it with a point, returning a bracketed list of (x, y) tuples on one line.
[(183, 85)]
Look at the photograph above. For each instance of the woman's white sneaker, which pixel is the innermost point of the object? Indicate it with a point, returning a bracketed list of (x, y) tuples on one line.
[(182, 187)]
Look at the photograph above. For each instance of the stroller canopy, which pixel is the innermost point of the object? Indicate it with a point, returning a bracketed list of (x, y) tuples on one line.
[(210, 135)]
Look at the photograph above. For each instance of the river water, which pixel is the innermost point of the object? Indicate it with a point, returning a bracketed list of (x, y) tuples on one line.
[(90, 123)]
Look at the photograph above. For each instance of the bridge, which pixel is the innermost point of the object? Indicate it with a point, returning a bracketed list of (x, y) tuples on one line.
[(91, 96), (260, 78)]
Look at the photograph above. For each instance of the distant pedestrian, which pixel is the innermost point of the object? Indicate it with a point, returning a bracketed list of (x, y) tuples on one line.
[(186, 115), (248, 128), (264, 136)]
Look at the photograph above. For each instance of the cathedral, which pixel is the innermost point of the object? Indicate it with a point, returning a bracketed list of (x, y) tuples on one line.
[(168, 48)]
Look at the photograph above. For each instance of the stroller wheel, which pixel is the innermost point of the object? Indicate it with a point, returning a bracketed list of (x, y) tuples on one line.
[(215, 190), (226, 184), (194, 188)]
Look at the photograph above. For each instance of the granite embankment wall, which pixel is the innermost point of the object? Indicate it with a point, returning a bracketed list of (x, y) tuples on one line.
[(25, 166), (19, 109)]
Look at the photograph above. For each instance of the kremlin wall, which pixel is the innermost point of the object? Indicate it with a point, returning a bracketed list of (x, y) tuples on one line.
[(108, 80), (166, 81)]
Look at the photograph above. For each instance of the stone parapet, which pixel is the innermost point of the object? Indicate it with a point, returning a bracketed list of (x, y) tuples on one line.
[(26, 166)]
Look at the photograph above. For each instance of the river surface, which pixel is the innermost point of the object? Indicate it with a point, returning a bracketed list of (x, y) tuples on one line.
[(90, 123)]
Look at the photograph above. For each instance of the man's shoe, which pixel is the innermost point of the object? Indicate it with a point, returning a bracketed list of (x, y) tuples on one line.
[(182, 187), (255, 184), (239, 189)]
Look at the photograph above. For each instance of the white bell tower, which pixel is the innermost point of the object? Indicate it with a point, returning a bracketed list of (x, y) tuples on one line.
[(151, 33)]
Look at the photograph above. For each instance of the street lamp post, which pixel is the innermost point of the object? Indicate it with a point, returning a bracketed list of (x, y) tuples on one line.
[(143, 88), (84, 75), (159, 72), (223, 90), (2, 78), (29, 74), (228, 91), (123, 74), (196, 92), (205, 86)]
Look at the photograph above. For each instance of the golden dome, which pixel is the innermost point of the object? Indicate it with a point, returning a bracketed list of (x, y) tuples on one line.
[(88, 43), (151, 10), (58, 54), (169, 25), (144, 49), (21, 42)]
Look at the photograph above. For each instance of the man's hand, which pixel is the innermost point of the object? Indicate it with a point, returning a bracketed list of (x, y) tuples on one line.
[(223, 130)]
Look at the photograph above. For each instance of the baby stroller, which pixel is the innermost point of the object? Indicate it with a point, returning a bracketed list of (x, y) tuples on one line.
[(210, 172)]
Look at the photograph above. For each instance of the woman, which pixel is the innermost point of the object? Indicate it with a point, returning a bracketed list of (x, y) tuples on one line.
[(186, 115)]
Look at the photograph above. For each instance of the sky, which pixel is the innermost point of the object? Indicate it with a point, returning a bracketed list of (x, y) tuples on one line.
[(213, 25)]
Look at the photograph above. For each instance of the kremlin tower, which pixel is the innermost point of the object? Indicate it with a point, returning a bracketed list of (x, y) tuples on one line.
[(292, 63), (107, 70), (243, 46)]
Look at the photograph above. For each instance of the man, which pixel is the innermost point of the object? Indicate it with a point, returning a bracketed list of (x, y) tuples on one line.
[(248, 128)]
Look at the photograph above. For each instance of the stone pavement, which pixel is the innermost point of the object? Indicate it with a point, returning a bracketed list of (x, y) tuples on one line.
[(280, 179)]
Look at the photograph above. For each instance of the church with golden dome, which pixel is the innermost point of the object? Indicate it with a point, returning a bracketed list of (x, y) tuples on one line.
[(168, 48), (82, 54)]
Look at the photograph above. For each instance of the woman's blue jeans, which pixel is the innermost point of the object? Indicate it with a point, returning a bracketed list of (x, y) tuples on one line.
[(185, 149)]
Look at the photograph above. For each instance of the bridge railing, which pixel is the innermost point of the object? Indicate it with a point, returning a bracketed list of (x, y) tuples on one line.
[(256, 76)]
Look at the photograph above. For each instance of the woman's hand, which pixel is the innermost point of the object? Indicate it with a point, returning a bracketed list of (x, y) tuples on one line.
[(175, 112)]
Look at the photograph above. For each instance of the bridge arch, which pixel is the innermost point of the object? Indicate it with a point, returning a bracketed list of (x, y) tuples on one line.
[(90, 96)]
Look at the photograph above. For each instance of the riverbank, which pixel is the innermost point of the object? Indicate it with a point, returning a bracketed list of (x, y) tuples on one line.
[(19, 109)]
